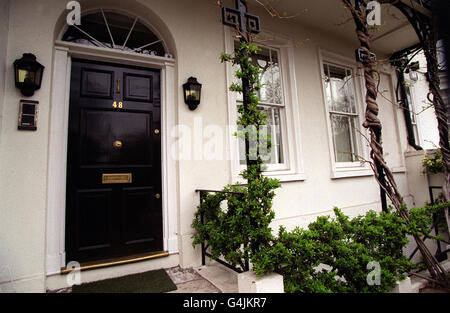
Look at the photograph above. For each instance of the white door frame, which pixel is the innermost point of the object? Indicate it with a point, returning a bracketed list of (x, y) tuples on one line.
[(58, 131)]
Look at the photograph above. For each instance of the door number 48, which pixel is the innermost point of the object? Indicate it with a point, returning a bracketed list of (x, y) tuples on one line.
[(117, 105)]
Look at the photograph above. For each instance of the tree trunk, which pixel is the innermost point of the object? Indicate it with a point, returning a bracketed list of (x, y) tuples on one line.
[(373, 123)]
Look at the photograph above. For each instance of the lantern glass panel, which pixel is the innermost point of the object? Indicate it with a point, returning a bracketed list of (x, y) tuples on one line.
[(38, 77), (193, 94), (24, 74)]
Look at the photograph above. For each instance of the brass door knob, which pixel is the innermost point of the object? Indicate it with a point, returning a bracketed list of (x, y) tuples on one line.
[(156, 131), (117, 144), (157, 196)]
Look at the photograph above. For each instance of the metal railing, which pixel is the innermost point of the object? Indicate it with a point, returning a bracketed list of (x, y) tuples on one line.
[(440, 255), (204, 247)]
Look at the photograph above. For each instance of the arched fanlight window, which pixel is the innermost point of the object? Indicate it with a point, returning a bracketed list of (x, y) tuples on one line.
[(116, 31)]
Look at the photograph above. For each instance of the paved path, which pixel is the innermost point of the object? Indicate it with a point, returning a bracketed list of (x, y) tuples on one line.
[(189, 281)]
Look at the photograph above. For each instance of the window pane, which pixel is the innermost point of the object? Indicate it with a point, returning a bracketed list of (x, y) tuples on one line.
[(416, 133), (270, 77), (277, 135), (120, 26), (273, 124), (263, 61), (341, 89), (94, 25), (412, 113), (268, 62), (271, 92), (328, 87), (344, 138), (241, 151), (410, 105)]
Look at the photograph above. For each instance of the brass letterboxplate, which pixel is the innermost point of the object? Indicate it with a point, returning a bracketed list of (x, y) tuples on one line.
[(122, 178)]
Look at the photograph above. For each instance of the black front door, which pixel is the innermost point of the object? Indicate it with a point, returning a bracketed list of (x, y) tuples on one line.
[(113, 206)]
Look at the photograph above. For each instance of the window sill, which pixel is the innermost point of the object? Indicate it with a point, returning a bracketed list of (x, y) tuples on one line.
[(282, 177), (285, 177), (349, 173), (360, 172)]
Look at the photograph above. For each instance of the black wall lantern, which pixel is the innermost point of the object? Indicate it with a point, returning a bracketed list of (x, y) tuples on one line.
[(192, 93), (28, 74)]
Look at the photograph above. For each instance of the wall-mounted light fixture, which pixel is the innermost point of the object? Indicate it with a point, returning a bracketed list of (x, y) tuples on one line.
[(412, 70), (28, 74), (192, 93), (413, 76)]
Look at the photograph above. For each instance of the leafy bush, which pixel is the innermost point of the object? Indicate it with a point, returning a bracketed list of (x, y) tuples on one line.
[(432, 163), (243, 227), (345, 246)]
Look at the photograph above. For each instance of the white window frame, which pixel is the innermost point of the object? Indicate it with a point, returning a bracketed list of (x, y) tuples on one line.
[(415, 124), (346, 169), (292, 168)]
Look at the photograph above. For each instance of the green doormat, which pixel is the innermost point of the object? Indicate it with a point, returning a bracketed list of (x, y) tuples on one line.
[(149, 282)]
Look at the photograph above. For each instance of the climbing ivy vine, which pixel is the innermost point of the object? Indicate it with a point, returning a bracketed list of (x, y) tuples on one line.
[(241, 229)]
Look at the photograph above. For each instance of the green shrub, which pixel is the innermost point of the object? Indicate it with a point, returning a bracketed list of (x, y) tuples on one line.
[(295, 255), (241, 229), (346, 246)]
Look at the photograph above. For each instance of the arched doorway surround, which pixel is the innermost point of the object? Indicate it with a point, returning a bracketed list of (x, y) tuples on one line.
[(160, 57)]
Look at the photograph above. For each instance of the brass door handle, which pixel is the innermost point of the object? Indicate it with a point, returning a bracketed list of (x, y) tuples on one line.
[(157, 196), (156, 131), (118, 85)]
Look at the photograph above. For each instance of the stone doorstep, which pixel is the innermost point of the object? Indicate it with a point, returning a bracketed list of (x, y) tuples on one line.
[(226, 280), (188, 280), (248, 282)]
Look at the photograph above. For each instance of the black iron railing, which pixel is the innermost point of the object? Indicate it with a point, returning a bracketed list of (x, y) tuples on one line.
[(204, 246), (440, 255)]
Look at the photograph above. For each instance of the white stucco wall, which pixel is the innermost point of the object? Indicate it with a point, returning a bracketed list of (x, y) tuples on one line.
[(4, 17), (4, 25), (199, 38), (23, 155)]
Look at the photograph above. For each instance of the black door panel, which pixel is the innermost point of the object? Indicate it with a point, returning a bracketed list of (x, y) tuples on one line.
[(139, 214), (94, 213), (114, 111), (100, 129), (138, 87), (97, 83)]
